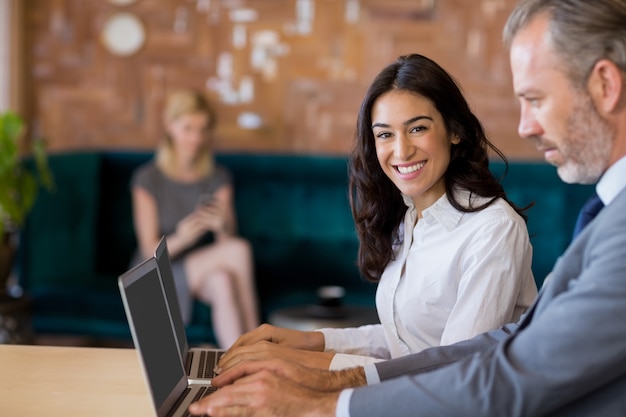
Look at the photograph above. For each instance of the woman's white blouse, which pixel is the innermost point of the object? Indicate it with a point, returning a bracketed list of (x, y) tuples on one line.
[(455, 275)]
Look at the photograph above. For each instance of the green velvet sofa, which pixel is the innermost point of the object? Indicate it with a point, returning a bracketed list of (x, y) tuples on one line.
[(292, 208)]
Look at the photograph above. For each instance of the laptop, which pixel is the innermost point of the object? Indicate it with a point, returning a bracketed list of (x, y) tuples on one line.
[(199, 362), (156, 344)]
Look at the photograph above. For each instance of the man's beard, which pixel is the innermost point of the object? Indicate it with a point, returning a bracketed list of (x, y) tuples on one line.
[(586, 149)]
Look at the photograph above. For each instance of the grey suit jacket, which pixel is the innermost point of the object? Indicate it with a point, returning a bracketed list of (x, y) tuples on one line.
[(565, 357)]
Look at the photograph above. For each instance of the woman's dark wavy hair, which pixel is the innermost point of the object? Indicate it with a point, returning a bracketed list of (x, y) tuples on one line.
[(377, 204)]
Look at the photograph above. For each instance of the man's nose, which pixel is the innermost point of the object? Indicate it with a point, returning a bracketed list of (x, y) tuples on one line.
[(528, 125)]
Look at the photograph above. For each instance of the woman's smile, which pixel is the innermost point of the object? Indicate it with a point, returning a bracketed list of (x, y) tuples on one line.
[(406, 169)]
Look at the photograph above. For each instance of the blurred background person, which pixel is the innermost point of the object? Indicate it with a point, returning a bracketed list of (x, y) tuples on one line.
[(184, 195)]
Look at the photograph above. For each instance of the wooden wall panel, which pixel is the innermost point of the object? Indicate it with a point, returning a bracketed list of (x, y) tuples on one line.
[(12, 80), (300, 66)]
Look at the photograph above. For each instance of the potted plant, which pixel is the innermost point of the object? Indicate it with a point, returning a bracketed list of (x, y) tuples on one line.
[(19, 183)]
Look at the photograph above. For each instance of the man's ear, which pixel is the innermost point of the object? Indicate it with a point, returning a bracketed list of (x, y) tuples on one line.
[(606, 85)]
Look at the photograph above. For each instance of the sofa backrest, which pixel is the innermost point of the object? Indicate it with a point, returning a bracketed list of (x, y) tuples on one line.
[(293, 209), (115, 235), (295, 212), (57, 244)]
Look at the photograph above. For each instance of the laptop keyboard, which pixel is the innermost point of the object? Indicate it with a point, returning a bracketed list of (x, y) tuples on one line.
[(202, 392), (208, 362)]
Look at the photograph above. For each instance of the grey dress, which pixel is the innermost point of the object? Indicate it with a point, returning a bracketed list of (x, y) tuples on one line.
[(175, 200)]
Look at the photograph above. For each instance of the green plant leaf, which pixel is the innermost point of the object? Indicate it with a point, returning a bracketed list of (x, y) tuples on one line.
[(19, 182), (10, 130)]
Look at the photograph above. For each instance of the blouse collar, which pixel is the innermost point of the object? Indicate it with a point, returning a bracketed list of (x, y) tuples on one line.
[(442, 211)]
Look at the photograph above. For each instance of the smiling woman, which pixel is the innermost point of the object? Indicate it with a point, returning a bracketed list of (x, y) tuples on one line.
[(433, 222), (449, 251)]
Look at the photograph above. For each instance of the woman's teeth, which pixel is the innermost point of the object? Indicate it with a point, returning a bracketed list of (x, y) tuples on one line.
[(412, 168)]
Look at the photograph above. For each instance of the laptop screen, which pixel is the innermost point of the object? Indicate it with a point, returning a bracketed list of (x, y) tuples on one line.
[(153, 335), (169, 285)]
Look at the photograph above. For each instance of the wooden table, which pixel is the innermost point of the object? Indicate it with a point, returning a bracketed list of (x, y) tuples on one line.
[(71, 381)]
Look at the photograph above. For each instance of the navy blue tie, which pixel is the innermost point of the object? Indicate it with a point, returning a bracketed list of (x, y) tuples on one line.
[(591, 208)]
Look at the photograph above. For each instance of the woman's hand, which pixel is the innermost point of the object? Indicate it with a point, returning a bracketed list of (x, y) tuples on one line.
[(191, 228), (264, 350), (282, 336), (213, 217), (267, 341), (217, 211), (205, 218)]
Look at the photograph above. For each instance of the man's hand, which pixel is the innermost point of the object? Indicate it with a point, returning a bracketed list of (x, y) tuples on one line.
[(277, 388), (267, 394), (317, 379)]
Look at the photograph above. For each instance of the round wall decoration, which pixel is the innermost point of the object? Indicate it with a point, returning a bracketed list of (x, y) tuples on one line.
[(123, 34)]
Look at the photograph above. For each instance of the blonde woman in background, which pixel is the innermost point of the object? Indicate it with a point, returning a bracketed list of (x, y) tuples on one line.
[(185, 196)]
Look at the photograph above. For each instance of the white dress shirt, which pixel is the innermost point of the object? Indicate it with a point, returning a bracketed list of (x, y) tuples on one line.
[(612, 182), (454, 275)]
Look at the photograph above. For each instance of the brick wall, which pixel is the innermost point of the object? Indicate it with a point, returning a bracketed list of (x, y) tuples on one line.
[(295, 69)]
